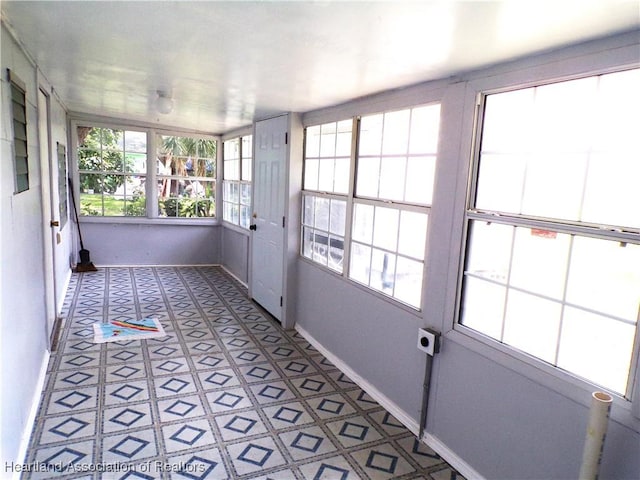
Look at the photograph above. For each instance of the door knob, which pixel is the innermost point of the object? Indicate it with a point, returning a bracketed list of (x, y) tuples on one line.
[(252, 227), (54, 223)]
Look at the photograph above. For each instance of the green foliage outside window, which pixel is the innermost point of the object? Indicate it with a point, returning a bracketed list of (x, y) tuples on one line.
[(99, 152)]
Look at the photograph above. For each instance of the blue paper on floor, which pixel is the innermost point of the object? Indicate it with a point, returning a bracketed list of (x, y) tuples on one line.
[(120, 330)]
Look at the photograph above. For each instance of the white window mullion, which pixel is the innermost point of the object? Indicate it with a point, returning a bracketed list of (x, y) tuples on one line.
[(350, 198), (152, 175)]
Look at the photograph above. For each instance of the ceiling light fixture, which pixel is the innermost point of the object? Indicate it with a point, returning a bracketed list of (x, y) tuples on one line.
[(164, 103)]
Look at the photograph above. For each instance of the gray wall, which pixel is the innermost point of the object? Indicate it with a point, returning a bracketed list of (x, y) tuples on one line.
[(151, 243), (501, 416), (235, 253)]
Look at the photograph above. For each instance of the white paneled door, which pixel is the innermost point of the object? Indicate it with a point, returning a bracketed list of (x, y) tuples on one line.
[(267, 250)]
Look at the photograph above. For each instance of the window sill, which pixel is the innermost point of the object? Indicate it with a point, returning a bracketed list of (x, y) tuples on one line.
[(151, 221), (559, 381)]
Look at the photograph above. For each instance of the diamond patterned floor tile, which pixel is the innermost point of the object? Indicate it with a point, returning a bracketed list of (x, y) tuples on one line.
[(382, 461), (240, 425), (307, 442), (255, 455), (129, 446), (226, 394), (188, 435)]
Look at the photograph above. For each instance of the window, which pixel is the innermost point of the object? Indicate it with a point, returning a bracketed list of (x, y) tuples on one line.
[(237, 181), (326, 184), (62, 184), (382, 217), (552, 262), (19, 113), (394, 187), (118, 180), (186, 176), (113, 165)]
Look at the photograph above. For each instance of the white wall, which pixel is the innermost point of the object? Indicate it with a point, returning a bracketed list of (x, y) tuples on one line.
[(493, 414), (23, 338)]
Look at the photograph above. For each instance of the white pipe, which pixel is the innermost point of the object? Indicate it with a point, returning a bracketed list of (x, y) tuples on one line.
[(596, 432)]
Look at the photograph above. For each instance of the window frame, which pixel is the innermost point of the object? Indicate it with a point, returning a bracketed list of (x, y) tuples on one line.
[(352, 199), (559, 380), (242, 159), (16, 85), (151, 217), (152, 166)]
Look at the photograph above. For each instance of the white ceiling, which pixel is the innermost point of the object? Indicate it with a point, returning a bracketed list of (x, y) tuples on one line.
[(229, 63)]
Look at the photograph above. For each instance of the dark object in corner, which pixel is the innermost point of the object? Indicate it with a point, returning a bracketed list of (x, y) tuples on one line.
[(85, 264)]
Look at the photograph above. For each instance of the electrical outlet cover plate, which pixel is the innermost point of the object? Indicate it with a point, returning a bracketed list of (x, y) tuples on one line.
[(427, 341)]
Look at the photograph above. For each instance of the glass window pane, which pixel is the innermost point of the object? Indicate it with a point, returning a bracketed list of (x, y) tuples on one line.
[(311, 174), (612, 195), (489, 250), (425, 125), (562, 115), (322, 214), (532, 324), (408, 281), (247, 156), (112, 139), (539, 263), (231, 170), (392, 175), (235, 214), (385, 232), (341, 175), (307, 242), (328, 140), (360, 263), (507, 122), (308, 212), (312, 145), (396, 133), (383, 268), (617, 121), (368, 176), (420, 180), (500, 182), (325, 178), (553, 185), (135, 142), (338, 217), (245, 216), (370, 138), (605, 276), (245, 194), (227, 211), (413, 234), (203, 167), (336, 253), (90, 199), (320, 247), (343, 140), (231, 149), (584, 333), (483, 306), (363, 223), (136, 162)]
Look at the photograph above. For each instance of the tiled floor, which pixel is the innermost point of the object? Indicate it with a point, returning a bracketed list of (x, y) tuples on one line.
[(226, 394)]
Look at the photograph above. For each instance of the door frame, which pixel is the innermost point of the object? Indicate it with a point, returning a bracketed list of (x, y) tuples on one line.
[(48, 204)]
